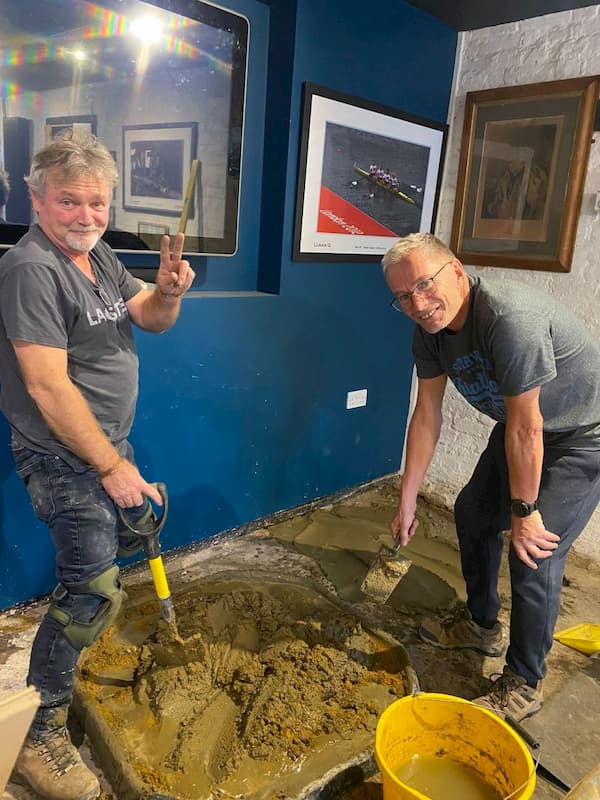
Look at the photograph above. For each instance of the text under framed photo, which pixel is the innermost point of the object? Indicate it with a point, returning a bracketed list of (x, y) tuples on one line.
[(368, 175)]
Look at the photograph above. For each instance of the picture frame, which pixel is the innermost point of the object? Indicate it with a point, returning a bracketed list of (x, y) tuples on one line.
[(345, 211), (522, 166), (58, 126), (157, 162)]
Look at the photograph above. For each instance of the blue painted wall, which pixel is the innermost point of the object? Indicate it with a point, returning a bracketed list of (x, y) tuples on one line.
[(242, 405)]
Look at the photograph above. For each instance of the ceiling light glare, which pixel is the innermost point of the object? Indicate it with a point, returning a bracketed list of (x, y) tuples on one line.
[(147, 29)]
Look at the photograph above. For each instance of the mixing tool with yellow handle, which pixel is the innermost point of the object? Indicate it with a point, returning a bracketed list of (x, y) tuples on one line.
[(149, 534)]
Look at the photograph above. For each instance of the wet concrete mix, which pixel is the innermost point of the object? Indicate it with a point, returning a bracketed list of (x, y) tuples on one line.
[(271, 687)]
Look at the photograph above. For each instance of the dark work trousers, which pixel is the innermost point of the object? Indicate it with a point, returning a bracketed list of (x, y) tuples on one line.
[(569, 493), (83, 524)]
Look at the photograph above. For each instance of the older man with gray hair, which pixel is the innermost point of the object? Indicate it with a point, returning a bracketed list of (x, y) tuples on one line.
[(69, 383), (518, 357)]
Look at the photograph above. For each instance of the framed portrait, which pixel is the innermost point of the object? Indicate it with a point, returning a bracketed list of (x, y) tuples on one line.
[(157, 164), (523, 160), (58, 126), (367, 175)]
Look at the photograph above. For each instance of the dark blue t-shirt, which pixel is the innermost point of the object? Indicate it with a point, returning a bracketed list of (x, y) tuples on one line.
[(514, 339)]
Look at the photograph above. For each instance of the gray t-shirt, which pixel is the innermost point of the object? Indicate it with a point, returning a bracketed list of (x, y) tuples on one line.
[(45, 299), (514, 339)]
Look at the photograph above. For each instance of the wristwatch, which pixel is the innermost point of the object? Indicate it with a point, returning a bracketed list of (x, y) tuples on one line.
[(521, 508)]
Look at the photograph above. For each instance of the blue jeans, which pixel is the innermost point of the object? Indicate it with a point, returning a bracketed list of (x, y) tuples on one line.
[(569, 493), (83, 523)]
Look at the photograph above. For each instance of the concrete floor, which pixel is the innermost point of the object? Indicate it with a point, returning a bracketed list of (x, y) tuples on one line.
[(333, 545)]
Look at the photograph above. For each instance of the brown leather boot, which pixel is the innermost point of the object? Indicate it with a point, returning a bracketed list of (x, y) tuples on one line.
[(51, 765)]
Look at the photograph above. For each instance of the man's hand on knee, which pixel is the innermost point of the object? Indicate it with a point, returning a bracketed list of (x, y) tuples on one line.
[(531, 540)]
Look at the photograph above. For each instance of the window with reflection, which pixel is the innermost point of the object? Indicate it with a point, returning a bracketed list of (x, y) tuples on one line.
[(162, 85)]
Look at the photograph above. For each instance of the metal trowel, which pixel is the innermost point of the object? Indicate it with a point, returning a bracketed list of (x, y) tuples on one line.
[(385, 573)]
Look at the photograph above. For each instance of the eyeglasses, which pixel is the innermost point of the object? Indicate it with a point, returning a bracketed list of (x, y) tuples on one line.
[(424, 287)]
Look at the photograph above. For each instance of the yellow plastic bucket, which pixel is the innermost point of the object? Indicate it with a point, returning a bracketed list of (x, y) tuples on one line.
[(448, 727)]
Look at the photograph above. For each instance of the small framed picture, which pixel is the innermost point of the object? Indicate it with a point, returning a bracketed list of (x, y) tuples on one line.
[(157, 164), (59, 126)]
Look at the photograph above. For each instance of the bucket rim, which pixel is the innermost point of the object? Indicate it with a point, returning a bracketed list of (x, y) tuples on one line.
[(448, 698)]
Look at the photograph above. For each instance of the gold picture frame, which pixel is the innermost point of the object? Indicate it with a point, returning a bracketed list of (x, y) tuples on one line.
[(523, 161)]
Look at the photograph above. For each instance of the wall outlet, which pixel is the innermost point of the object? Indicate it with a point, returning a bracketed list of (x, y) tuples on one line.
[(597, 202), (356, 399)]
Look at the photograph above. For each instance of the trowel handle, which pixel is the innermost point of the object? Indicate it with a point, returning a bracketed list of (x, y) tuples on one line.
[(411, 532)]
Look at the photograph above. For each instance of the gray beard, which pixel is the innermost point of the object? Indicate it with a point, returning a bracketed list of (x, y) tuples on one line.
[(82, 244)]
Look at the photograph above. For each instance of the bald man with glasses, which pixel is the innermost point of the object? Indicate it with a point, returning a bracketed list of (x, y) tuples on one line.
[(526, 362)]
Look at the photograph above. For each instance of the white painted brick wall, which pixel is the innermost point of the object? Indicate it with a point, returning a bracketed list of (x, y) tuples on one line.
[(552, 47)]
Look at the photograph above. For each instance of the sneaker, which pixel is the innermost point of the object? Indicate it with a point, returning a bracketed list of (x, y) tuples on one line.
[(459, 631), (53, 768), (510, 695)]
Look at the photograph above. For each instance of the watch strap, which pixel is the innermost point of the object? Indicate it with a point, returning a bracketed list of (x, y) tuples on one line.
[(521, 508)]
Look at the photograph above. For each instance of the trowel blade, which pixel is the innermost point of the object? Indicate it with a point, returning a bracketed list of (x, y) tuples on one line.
[(385, 573)]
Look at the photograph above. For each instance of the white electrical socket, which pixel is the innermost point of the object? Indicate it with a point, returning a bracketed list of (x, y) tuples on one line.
[(356, 399)]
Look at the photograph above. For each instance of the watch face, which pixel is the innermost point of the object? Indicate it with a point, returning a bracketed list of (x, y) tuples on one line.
[(522, 509)]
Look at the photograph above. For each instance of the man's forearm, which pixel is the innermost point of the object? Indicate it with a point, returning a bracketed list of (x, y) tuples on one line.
[(69, 417), (160, 311), (421, 442), (524, 446)]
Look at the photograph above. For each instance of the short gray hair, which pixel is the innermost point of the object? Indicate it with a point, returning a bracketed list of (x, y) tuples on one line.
[(71, 156), (414, 241)]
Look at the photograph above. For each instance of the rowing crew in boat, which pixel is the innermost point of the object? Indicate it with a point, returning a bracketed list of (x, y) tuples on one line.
[(384, 176)]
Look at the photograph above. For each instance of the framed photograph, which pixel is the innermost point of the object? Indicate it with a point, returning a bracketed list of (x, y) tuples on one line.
[(367, 175), (58, 126), (521, 173), (157, 162)]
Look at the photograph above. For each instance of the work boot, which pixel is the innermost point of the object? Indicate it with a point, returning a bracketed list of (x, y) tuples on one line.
[(51, 765), (460, 631), (510, 695)]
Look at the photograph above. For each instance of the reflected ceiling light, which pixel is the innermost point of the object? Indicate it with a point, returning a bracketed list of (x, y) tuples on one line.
[(79, 55), (148, 29)]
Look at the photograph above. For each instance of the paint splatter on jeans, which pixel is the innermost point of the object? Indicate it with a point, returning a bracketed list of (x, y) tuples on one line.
[(83, 524)]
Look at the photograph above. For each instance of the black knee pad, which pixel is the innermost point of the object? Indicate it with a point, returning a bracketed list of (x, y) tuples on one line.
[(105, 586)]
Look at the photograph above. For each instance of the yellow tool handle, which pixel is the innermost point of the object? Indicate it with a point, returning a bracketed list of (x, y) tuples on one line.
[(159, 577), (188, 196)]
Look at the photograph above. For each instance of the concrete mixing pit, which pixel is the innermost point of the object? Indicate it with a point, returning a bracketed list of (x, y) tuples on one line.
[(274, 693)]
